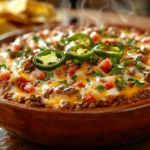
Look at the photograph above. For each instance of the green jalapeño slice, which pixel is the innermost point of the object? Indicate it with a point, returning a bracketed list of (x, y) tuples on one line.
[(79, 53), (49, 59), (108, 51), (82, 40)]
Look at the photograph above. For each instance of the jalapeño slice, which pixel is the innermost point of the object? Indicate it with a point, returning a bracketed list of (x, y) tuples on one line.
[(49, 59), (79, 53)]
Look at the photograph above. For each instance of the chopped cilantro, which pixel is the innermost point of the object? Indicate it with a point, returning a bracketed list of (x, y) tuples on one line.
[(138, 64), (3, 66), (36, 39), (131, 42), (94, 59), (102, 32), (48, 77), (90, 67), (79, 96), (124, 64), (62, 81), (119, 68), (136, 82), (114, 61), (100, 88), (28, 71), (120, 83), (88, 80), (112, 36), (76, 62), (99, 74), (114, 71), (28, 52), (74, 77)]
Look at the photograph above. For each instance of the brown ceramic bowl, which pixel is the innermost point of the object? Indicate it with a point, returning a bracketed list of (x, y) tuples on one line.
[(76, 129)]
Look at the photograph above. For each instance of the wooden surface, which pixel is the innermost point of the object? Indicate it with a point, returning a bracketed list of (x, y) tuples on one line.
[(10, 142)]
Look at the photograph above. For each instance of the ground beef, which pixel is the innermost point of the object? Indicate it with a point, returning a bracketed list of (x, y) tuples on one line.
[(67, 91), (8, 95), (21, 100), (131, 71), (47, 93), (33, 100), (5, 86), (147, 78), (64, 104), (28, 65)]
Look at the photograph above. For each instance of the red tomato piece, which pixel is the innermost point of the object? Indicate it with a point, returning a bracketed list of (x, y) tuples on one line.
[(95, 37), (29, 87), (80, 84), (38, 74), (105, 65), (146, 40), (88, 97), (16, 47), (102, 80), (72, 71), (43, 34), (22, 80), (5, 76), (110, 83)]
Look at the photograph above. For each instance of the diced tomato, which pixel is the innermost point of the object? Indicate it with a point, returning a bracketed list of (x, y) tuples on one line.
[(16, 47), (88, 97), (43, 34), (102, 80), (5, 75), (80, 84), (72, 71), (29, 87), (144, 59), (105, 65), (38, 74), (110, 83), (95, 37), (146, 40), (22, 80)]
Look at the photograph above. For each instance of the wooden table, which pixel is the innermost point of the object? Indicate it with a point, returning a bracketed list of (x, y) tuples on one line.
[(10, 142)]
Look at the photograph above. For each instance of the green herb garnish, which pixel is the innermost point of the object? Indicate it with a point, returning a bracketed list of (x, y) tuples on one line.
[(62, 81), (3, 66), (136, 82), (100, 88), (36, 39), (48, 77), (88, 80), (98, 74), (90, 67), (74, 77), (77, 62), (120, 83)]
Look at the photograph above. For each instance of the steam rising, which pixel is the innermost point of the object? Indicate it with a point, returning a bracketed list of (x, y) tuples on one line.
[(65, 6), (121, 7)]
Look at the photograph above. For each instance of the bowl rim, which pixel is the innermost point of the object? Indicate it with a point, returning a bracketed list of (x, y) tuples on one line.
[(114, 109)]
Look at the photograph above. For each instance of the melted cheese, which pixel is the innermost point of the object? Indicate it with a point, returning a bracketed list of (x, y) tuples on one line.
[(129, 91)]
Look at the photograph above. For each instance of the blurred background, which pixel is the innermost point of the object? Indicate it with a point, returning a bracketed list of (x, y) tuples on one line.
[(16, 14), (141, 7)]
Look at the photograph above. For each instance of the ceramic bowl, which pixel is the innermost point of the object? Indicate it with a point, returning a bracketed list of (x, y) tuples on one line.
[(75, 129)]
